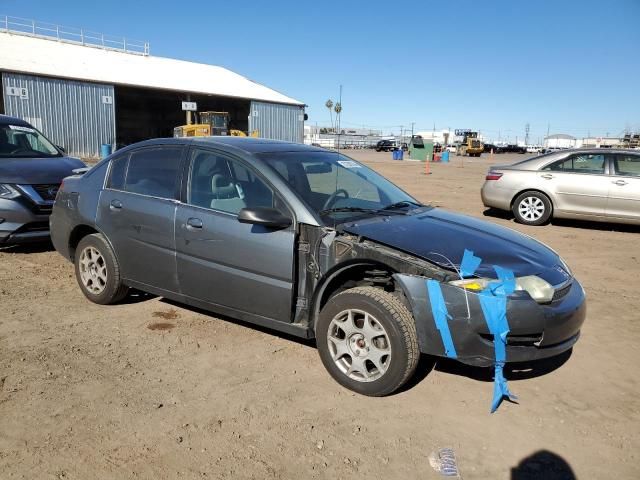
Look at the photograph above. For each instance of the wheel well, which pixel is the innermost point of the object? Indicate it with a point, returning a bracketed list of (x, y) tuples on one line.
[(358, 275), (513, 200), (77, 234)]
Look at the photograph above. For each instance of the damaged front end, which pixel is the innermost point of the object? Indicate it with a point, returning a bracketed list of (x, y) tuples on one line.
[(330, 261)]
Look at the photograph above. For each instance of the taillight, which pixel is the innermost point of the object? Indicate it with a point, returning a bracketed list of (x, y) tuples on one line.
[(493, 176)]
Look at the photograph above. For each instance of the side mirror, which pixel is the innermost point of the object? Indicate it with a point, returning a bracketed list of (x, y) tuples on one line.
[(61, 149), (267, 217)]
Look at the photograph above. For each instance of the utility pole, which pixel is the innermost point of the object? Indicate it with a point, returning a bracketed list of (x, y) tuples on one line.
[(339, 115), (412, 124), (526, 132)]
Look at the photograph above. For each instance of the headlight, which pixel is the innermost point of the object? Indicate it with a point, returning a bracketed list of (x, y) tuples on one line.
[(7, 191), (540, 290)]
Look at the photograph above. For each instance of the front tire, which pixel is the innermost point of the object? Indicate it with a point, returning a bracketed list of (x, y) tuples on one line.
[(532, 208), (98, 271), (367, 341)]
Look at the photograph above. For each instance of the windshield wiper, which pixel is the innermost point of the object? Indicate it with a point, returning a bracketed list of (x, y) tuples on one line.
[(402, 203), (375, 211)]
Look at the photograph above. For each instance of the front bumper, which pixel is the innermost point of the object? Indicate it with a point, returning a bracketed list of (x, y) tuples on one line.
[(21, 222), (536, 331)]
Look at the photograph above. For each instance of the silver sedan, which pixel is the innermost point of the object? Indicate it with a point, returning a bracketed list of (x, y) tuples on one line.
[(590, 184)]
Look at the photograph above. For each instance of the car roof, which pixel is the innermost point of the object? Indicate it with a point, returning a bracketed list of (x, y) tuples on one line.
[(7, 120), (538, 161), (247, 144)]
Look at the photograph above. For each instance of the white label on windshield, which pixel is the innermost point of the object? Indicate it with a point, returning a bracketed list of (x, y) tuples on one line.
[(21, 129), (348, 164)]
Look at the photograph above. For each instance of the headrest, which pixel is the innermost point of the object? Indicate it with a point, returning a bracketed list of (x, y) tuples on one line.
[(223, 187)]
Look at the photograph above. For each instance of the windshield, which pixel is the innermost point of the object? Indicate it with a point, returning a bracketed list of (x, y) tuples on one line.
[(337, 188), (17, 141)]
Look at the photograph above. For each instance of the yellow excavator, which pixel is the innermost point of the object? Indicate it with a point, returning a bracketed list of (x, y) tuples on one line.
[(210, 124)]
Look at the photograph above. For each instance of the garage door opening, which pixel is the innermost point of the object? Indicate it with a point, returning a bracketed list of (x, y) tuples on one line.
[(143, 113)]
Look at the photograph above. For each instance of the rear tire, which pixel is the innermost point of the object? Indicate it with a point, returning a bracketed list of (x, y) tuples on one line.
[(532, 208), (367, 340), (98, 272)]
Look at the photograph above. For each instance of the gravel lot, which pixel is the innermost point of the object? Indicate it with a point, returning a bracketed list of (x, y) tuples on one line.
[(150, 389)]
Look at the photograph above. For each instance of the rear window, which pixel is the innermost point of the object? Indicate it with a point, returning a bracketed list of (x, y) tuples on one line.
[(154, 172)]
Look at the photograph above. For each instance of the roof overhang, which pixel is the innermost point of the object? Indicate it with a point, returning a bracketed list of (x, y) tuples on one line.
[(47, 57)]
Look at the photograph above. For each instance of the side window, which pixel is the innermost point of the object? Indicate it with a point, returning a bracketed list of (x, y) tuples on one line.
[(582, 163), (221, 183), (154, 172), (627, 165), (117, 172)]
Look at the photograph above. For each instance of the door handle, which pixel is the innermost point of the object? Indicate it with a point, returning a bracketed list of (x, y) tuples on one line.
[(620, 182), (194, 223), (115, 205), (548, 176)]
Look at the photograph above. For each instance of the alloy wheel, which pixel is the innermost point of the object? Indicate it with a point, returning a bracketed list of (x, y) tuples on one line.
[(359, 345), (531, 208), (93, 270)]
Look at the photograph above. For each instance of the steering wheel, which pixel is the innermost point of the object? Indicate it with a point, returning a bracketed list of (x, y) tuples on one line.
[(333, 197)]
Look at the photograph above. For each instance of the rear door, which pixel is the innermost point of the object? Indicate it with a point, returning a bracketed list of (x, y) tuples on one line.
[(579, 184), (220, 261), (137, 213), (624, 193)]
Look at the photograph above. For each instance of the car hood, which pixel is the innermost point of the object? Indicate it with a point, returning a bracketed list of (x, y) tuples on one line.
[(442, 237), (37, 170)]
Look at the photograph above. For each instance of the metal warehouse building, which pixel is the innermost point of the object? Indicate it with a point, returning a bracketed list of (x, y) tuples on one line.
[(83, 90)]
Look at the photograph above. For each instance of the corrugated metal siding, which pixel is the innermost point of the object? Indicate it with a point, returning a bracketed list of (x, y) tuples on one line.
[(277, 121), (71, 114)]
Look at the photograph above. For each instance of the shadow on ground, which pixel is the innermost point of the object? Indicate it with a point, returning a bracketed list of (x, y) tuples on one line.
[(543, 465), (28, 248), (512, 371), (565, 222), (285, 336)]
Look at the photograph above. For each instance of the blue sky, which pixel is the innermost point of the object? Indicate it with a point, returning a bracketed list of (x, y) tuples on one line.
[(569, 65)]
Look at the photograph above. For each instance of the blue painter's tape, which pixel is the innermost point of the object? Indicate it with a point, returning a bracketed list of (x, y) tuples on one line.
[(507, 279), (441, 317), (469, 264), (493, 301)]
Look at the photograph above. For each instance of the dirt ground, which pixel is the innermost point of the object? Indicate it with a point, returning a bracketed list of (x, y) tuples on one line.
[(149, 389)]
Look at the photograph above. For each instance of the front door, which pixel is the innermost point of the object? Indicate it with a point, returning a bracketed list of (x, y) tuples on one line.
[(579, 183), (220, 261), (137, 214), (624, 192)]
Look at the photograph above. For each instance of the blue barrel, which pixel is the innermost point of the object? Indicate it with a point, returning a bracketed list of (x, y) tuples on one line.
[(394, 154), (105, 150), (400, 154), (445, 156)]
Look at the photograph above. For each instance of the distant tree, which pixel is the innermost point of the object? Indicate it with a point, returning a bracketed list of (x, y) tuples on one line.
[(329, 105)]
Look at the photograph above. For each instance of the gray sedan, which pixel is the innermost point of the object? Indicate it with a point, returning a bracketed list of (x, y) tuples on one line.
[(312, 243), (591, 184)]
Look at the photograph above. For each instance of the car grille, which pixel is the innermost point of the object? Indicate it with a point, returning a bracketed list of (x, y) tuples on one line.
[(561, 292), (47, 191)]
